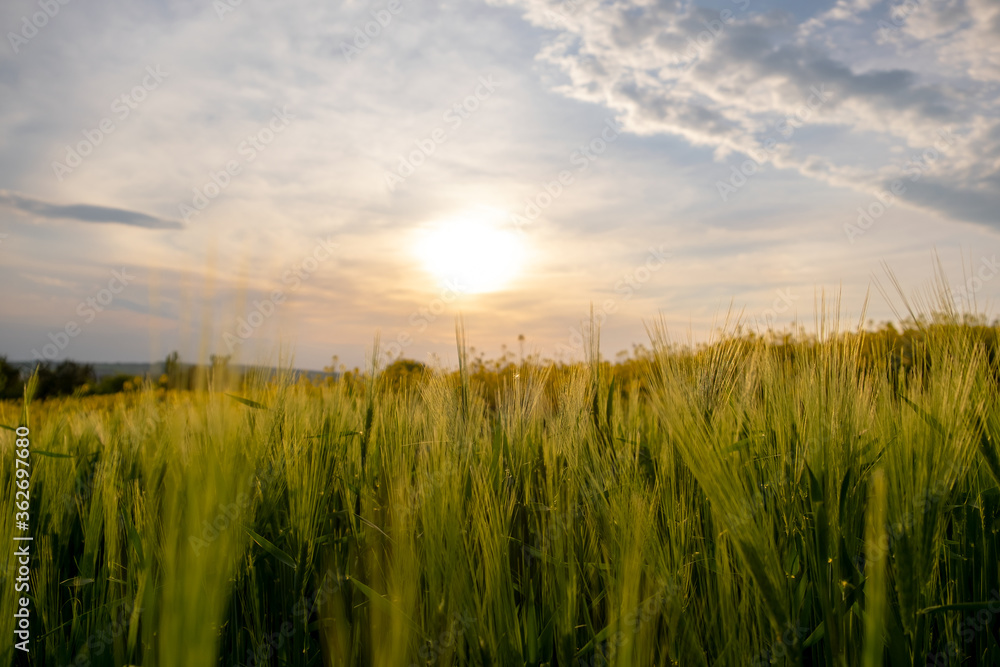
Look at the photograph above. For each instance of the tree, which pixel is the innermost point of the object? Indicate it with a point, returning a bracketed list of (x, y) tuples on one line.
[(177, 376), (220, 372), (11, 385), (115, 384), (403, 373), (65, 379)]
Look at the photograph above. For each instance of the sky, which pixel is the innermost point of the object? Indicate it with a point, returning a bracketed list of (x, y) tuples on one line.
[(284, 180)]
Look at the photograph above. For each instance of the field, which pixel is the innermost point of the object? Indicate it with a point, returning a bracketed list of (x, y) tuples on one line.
[(811, 501)]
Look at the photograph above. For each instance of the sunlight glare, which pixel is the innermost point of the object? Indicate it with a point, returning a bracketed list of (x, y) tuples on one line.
[(472, 254)]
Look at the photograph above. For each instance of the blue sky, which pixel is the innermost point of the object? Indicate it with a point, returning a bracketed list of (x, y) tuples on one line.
[(269, 178)]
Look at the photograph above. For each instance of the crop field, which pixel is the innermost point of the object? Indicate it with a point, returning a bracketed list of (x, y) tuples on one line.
[(500, 333), (829, 500)]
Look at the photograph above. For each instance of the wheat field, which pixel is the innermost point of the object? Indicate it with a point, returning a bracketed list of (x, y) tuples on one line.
[(825, 500)]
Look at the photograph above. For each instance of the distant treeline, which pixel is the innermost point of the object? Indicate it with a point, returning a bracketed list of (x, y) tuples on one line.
[(899, 353), (70, 378), (896, 351)]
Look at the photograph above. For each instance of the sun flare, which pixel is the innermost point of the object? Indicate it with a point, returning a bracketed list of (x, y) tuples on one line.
[(471, 254)]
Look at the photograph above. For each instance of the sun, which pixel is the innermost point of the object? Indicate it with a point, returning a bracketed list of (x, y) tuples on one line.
[(471, 254)]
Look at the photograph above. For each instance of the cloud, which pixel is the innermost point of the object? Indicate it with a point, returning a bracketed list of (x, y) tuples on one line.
[(732, 80), (85, 212), (844, 10), (962, 35)]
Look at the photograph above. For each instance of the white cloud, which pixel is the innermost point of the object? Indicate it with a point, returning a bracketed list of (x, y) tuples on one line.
[(683, 104), (731, 80)]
